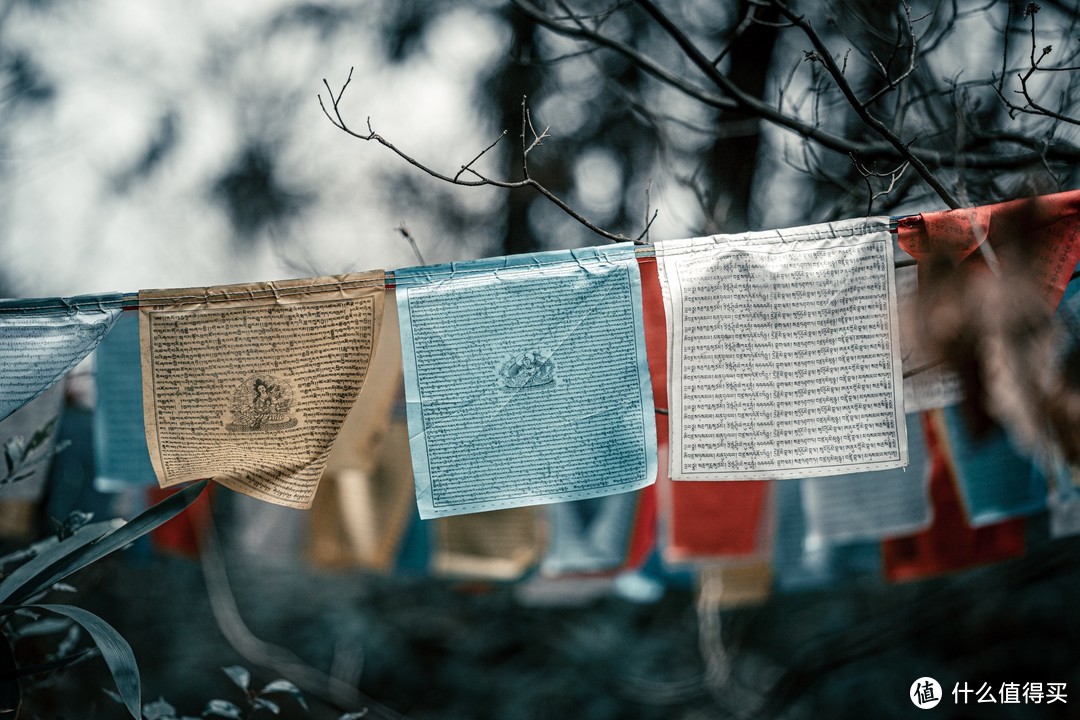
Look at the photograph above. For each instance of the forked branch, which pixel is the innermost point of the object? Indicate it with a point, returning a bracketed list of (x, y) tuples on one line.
[(1030, 106), (472, 176)]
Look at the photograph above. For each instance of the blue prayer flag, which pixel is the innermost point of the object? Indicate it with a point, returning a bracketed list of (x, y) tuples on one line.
[(526, 380), (42, 339), (122, 457)]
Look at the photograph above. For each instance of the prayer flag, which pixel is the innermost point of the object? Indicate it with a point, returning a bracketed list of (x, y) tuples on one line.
[(588, 536), (249, 384), (995, 481), (708, 521), (359, 517), (41, 339), (500, 545), (526, 380), (873, 505), (727, 586), (121, 458), (784, 353), (802, 562), (1063, 501), (1042, 233), (950, 543), (181, 535), (929, 383)]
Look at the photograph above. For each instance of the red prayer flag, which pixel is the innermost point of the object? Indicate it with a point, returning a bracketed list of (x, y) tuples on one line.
[(706, 519), (643, 534), (949, 544), (1043, 232), (180, 535)]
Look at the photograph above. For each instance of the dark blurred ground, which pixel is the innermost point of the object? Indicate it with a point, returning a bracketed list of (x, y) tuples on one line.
[(434, 649)]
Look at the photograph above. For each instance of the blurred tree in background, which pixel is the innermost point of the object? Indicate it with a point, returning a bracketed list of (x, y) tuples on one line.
[(766, 114)]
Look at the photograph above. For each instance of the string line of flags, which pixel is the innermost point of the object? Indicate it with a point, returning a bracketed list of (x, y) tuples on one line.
[(577, 409)]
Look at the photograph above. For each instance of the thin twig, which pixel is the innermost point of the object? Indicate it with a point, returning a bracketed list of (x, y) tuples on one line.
[(467, 167), (913, 55), (866, 173), (1031, 106), (403, 231), (735, 99), (333, 114), (901, 147)]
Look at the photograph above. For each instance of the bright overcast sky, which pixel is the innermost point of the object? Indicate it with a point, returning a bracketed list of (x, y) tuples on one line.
[(121, 68)]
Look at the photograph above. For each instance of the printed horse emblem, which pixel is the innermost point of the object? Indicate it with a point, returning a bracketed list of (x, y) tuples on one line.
[(528, 370)]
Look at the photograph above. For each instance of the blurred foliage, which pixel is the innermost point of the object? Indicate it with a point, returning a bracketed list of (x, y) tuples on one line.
[(33, 572), (266, 702), (253, 192), (22, 455)]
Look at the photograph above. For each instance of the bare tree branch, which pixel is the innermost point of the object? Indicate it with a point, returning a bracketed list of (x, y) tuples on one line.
[(891, 83), (901, 147), (737, 100), (1031, 106), (932, 126), (335, 117), (893, 176)]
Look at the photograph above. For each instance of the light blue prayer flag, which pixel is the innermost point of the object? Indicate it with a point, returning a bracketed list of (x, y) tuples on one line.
[(526, 380), (996, 482), (414, 553), (588, 536), (804, 563), (42, 338), (1063, 501), (872, 505), (122, 458)]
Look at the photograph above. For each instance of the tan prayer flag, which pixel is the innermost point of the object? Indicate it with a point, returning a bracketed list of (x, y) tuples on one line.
[(359, 517), (249, 384), (366, 497), (497, 545), (732, 585)]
